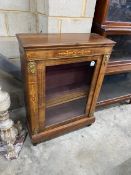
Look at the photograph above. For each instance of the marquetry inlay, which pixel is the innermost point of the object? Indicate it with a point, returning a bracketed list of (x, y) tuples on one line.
[(77, 52)]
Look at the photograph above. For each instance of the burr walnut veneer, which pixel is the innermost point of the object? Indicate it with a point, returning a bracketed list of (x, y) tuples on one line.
[(62, 74)]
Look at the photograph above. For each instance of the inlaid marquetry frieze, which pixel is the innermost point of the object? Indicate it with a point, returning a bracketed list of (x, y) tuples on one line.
[(61, 53), (74, 52)]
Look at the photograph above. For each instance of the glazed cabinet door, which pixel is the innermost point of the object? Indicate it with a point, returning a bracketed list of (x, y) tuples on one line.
[(62, 91)]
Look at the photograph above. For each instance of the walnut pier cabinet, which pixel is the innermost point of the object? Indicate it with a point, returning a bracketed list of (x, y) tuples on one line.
[(62, 74)]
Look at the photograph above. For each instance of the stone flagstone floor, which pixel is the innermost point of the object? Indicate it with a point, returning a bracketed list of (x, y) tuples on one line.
[(101, 149)]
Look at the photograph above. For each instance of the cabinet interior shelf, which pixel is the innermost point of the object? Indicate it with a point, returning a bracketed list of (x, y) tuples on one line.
[(59, 96), (113, 100), (65, 112), (67, 83), (115, 88)]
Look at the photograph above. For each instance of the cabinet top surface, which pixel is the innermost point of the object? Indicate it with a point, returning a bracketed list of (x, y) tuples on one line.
[(70, 39)]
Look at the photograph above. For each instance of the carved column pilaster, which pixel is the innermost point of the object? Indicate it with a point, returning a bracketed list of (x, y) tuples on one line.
[(8, 131)]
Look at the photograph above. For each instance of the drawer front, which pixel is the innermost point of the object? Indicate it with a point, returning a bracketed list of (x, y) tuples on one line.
[(65, 53)]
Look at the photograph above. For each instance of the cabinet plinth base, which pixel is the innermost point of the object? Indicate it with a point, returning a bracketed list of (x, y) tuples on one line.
[(63, 129)]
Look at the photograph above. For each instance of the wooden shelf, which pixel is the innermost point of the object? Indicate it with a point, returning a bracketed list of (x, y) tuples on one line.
[(65, 112), (67, 82), (115, 88), (113, 100), (59, 96), (115, 67)]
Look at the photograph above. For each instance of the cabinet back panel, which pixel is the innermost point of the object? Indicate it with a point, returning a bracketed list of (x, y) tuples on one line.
[(62, 75)]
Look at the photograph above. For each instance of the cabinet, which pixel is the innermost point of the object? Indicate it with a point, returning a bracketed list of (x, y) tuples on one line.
[(62, 75), (113, 19)]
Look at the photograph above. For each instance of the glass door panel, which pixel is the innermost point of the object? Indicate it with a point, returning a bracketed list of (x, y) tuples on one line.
[(67, 89), (115, 86), (122, 49), (119, 11)]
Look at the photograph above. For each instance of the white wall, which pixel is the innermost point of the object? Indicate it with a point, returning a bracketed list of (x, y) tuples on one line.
[(19, 16), (47, 16), (70, 16)]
